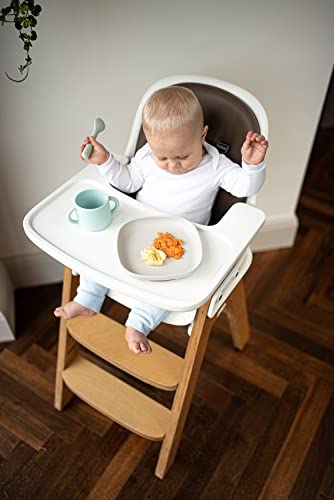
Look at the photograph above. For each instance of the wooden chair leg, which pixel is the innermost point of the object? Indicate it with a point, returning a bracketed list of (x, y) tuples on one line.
[(192, 363), (237, 316), (67, 347)]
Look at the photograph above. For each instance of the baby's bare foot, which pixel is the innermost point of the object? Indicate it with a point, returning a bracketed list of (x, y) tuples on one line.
[(71, 310), (137, 341)]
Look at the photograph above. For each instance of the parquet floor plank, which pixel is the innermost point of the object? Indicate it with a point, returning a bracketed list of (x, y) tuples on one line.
[(230, 382), (10, 468), (8, 441), (23, 372), (312, 477), (282, 325), (248, 431), (86, 416), (86, 460), (119, 469), (246, 369), (268, 448), (30, 481), (327, 488), (42, 418), (41, 359), (289, 355), (18, 420), (292, 454), (200, 455)]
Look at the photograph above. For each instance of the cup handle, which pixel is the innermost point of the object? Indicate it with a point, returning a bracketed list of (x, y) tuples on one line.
[(115, 200), (69, 216)]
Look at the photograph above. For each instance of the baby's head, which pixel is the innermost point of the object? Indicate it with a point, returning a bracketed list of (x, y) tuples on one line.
[(174, 128)]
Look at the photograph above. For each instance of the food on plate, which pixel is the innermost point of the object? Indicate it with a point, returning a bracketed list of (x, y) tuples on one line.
[(165, 245), (170, 245), (152, 256)]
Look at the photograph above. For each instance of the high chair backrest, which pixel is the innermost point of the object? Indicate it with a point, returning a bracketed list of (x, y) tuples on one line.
[(229, 111)]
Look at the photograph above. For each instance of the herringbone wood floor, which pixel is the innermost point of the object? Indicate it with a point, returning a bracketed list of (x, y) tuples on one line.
[(261, 421)]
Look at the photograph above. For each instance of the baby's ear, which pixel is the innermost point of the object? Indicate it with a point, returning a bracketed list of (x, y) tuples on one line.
[(205, 131)]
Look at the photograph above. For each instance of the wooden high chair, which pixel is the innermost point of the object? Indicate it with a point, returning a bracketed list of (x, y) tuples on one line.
[(196, 300)]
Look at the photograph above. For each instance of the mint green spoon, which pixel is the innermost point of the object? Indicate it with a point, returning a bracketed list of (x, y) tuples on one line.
[(99, 126)]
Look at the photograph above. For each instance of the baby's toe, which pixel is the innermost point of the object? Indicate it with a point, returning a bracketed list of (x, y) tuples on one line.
[(134, 347), (145, 347), (58, 312)]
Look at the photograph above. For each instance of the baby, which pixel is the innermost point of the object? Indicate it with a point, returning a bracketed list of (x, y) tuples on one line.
[(177, 172)]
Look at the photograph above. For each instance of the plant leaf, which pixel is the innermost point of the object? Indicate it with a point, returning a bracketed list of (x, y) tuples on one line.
[(36, 10), (22, 79)]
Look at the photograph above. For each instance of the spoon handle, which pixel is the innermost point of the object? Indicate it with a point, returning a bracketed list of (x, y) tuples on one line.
[(89, 148), (87, 151)]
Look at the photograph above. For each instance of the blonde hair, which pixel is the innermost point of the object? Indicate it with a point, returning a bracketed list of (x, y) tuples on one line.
[(172, 108)]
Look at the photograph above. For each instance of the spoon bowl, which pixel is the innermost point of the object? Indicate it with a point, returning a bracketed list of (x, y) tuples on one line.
[(99, 126)]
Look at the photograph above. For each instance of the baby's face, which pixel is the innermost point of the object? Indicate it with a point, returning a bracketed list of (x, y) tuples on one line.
[(178, 152)]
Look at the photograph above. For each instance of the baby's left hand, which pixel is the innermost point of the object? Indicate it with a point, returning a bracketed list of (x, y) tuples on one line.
[(254, 148)]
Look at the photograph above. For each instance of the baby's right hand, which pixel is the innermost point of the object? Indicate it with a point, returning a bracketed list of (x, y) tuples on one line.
[(99, 153)]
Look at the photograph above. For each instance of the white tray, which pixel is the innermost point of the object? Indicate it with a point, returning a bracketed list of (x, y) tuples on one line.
[(95, 254)]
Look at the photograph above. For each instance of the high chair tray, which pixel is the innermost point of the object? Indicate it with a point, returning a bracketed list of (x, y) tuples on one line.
[(94, 254)]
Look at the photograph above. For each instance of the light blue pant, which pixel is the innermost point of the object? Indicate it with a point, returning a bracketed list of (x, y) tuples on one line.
[(143, 317)]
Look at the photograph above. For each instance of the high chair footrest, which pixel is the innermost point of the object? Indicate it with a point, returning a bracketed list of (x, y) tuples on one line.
[(117, 400), (105, 338)]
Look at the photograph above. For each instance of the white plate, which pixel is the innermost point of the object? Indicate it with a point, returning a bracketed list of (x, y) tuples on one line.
[(137, 234)]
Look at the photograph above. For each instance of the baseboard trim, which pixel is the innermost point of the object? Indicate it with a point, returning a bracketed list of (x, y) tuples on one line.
[(279, 231), (39, 269)]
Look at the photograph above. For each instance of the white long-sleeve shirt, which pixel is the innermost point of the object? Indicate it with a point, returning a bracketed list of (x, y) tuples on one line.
[(189, 195)]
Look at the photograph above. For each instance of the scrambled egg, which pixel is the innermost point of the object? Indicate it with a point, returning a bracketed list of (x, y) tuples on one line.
[(152, 257)]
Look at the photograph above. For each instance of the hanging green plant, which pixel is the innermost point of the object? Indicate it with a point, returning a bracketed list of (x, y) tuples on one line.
[(23, 15)]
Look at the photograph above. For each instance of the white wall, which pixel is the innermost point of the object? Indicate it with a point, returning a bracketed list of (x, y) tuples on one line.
[(97, 59)]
